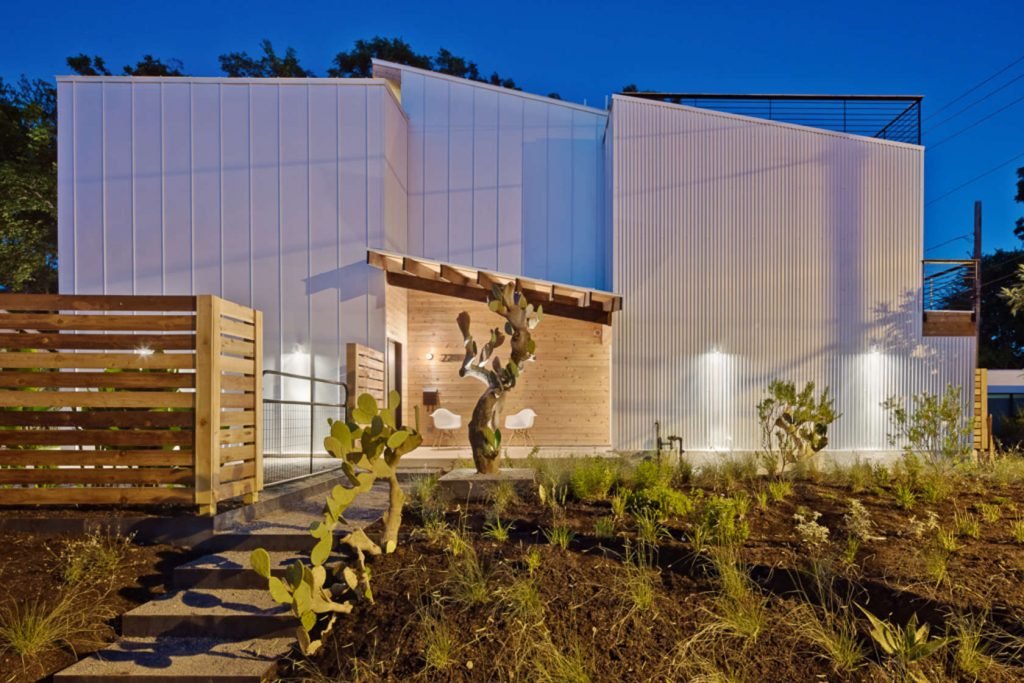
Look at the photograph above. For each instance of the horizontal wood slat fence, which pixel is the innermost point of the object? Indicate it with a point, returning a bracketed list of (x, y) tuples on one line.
[(365, 373), (129, 400)]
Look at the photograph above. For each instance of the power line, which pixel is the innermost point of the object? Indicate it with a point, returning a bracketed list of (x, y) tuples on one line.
[(975, 87), (978, 122), (942, 244), (977, 101), (975, 179)]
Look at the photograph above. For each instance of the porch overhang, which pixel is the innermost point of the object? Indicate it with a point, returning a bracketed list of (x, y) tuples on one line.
[(474, 284)]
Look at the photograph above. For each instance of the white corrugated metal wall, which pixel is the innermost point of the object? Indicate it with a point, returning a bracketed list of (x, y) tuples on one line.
[(264, 191), (504, 180), (748, 250)]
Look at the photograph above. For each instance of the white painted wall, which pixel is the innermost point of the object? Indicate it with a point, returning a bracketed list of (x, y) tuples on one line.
[(266, 192), (748, 250), (504, 180)]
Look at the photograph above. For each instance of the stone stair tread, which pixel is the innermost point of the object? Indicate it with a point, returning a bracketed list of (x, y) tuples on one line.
[(238, 559), (181, 660), (211, 602)]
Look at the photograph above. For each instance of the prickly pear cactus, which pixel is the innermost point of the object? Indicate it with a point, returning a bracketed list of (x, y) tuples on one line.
[(369, 447), (520, 318), (374, 443)]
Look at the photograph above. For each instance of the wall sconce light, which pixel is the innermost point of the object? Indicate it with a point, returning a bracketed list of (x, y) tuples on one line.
[(430, 356)]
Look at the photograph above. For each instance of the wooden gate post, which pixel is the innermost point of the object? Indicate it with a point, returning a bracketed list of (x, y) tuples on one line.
[(208, 393), (258, 417)]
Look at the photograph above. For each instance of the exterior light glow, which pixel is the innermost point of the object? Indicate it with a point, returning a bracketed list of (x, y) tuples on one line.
[(144, 351)]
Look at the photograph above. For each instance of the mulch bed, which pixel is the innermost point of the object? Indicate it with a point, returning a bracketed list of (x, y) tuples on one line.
[(29, 571), (582, 589)]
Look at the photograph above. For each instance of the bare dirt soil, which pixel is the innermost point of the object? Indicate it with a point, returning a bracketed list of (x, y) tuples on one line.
[(30, 571)]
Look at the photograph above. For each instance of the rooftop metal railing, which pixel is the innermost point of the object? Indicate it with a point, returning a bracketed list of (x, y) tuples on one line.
[(888, 117)]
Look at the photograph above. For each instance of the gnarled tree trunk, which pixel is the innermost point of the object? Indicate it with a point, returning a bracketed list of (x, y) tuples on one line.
[(484, 425)]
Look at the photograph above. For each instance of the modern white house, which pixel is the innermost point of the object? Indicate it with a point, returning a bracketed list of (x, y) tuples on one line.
[(686, 256)]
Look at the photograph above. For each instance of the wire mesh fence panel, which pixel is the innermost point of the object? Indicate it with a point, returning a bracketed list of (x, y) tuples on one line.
[(295, 427)]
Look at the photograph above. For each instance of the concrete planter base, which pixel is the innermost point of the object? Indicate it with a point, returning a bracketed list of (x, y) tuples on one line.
[(466, 485)]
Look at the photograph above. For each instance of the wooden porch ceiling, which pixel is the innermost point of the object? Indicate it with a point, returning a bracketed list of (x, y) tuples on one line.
[(465, 282)]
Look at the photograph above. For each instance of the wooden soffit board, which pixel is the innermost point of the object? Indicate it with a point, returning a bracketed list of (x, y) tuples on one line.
[(474, 284)]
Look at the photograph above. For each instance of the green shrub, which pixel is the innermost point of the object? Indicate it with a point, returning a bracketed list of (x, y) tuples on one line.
[(666, 501), (650, 474), (591, 479), (931, 427)]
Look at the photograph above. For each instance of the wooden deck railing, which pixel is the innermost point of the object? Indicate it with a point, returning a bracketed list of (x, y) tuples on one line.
[(129, 400)]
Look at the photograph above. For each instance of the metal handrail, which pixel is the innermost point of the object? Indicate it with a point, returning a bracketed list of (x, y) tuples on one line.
[(311, 403), (953, 288)]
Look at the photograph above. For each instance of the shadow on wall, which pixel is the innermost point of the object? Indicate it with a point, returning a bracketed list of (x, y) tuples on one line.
[(900, 335), (351, 281)]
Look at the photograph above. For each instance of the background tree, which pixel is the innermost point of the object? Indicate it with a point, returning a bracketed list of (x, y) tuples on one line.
[(358, 62), (150, 66), (28, 186), (270, 65), (84, 65)]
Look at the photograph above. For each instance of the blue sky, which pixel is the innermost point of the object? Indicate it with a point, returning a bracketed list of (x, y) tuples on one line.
[(586, 50)]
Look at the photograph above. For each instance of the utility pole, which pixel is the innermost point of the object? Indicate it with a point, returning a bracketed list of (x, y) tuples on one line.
[(977, 282)]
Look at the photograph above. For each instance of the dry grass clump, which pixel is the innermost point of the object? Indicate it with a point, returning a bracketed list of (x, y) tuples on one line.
[(74, 617)]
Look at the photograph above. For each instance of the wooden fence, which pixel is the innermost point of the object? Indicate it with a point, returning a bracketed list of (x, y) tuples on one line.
[(365, 373), (129, 400)]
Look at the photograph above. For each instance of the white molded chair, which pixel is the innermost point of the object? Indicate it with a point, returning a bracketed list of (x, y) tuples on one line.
[(445, 422), (520, 424)]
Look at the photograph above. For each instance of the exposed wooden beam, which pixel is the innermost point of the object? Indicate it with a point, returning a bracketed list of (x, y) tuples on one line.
[(454, 276), (537, 289), (419, 269), (476, 293)]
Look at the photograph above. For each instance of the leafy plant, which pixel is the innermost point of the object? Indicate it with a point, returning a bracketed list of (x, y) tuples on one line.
[(905, 646), (794, 424), (618, 507), (905, 496), (440, 640), (779, 491), (947, 540), (532, 561), (1017, 529), (496, 531), (604, 527), (932, 427), (559, 536), (989, 512), (966, 523), (591, 479), (503, 495)]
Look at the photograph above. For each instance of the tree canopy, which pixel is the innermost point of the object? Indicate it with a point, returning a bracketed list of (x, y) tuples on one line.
[(358, 62), (269, 65), (28, 186)]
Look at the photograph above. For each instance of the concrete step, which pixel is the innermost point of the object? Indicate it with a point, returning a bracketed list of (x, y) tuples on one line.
[(229, 569), (180, 660), (208, 613)]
